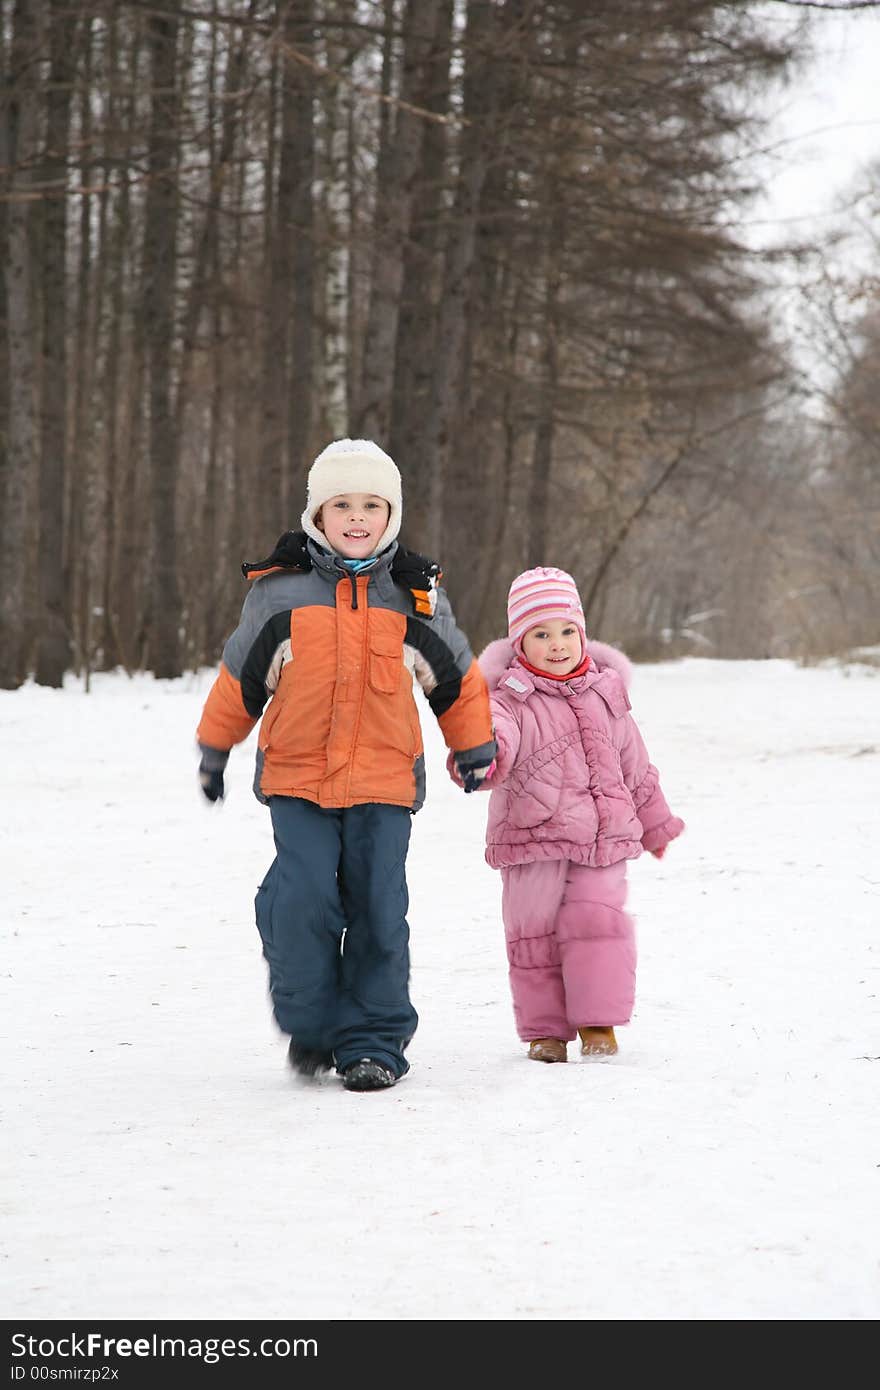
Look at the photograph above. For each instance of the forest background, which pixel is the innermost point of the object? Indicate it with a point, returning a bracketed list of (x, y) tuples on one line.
[(506, 239)]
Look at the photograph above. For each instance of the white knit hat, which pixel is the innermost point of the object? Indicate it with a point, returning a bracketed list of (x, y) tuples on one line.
[(353, 465), (539, 595)]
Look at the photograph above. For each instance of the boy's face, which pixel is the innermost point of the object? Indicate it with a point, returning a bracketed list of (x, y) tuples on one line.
[(353, 523), (554, 646)]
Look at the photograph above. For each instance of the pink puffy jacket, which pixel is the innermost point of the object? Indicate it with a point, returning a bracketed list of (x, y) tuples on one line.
[(573, 779)]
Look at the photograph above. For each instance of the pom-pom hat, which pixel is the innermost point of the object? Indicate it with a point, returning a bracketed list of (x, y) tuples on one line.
[(538, 596), (353, 465)]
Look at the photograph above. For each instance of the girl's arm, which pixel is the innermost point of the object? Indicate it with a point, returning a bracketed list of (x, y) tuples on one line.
[(507, 738), (659, 825)]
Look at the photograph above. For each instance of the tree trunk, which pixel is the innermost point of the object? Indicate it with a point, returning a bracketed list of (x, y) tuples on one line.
[(158, 308), (122, 391), (53, 638), (445, 407), (392, 226), (20, 136), (112, 244), (337, 218), (5, 184), (202, 285), (421, 290), (302, 235), (78, 542), (278, 292), (547, 387)]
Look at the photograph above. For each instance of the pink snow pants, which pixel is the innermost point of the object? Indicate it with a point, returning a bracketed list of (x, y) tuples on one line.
[(570, 946)]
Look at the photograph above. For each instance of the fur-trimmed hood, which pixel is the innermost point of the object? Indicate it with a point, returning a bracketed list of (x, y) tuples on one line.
[(500, 655)]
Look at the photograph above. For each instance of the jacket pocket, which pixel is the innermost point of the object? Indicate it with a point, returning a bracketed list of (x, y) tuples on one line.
[(264, 905), (267, 723), (386, 664), (535, 785), (527, 810)]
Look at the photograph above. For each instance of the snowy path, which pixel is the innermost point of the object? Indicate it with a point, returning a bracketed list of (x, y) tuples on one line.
[(161, 1162)]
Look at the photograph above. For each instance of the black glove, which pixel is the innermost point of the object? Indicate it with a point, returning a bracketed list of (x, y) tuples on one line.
[(212, 783), (475, 766), (211, 770)]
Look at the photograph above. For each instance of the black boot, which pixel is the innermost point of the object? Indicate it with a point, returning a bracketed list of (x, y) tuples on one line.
[(308, 1061), (367, 1075)]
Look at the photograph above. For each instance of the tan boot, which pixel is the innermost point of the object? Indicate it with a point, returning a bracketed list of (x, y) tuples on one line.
[(548, 1050), (597, 1042)]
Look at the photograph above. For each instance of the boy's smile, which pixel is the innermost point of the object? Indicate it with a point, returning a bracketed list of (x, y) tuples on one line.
[(353, 523), (554, 646)]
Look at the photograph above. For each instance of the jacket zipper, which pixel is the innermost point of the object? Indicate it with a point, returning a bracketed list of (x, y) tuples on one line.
[(364, 659)]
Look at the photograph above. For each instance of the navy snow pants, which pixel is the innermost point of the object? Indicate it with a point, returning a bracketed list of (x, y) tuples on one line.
[(331, 913)]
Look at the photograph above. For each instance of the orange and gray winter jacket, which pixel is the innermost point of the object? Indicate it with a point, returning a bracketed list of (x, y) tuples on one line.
[(334, 652)]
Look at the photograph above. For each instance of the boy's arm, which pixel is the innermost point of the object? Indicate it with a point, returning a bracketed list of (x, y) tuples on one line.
[(507, 739), (659, 825), (455, 686), (248, 674)]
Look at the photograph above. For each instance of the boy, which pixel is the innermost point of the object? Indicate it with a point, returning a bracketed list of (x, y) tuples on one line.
[(336, 623)]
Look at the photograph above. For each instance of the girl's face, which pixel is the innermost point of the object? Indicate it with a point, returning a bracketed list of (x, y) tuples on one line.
[(353, 523), (554, 647)]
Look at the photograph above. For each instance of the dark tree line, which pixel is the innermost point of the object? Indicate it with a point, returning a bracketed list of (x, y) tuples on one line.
[(498, 236)]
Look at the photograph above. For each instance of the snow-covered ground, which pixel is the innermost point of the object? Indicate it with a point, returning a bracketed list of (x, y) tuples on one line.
[(160, 1160)]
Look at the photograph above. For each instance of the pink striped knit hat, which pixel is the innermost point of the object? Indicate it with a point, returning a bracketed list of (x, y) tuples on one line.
[(538, 595)]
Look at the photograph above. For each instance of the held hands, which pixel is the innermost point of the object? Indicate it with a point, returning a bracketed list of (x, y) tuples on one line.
[(472, 770), (211, 770)]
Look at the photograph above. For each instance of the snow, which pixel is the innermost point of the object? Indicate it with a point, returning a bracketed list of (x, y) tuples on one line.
[(161, 1161)]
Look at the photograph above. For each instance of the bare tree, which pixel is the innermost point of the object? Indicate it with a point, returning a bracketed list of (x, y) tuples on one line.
[(421, 290), (20, 135), (53, 641), (484, 29), (302, 234), (160, 250), (398, 161)]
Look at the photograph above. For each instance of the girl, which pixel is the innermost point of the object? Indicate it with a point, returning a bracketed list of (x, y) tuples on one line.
[(574, 796)]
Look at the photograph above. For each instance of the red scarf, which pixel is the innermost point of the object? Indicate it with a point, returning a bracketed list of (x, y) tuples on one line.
[(548, 675)]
